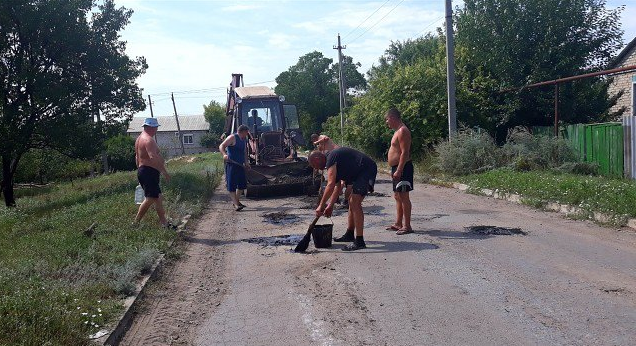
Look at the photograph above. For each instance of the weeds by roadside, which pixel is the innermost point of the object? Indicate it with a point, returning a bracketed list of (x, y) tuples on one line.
[(591, 194), (61, 281)]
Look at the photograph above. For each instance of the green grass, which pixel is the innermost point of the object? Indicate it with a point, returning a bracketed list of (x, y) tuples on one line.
[(592, 194), (58, 285)]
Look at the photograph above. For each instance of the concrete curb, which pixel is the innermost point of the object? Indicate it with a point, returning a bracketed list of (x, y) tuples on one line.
[(565, 209), (124, 321)]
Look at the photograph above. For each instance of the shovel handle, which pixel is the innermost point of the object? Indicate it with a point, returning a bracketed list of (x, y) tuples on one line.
[(313, 223)]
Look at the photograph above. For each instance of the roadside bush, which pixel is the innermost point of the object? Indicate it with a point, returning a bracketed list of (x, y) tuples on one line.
[(469, 152), (210, 140), (581, 168), (525, 152), (121, 152), (45, 165)]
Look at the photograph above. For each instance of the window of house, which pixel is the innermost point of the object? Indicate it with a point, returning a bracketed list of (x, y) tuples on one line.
[(187, 139)]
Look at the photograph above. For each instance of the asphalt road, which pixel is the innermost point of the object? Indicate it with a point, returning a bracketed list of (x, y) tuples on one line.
[(564, 283)]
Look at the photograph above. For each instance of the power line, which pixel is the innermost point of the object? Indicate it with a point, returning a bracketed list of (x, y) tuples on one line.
[(376, 23), (200, 91), (426, 27), (374, 12)]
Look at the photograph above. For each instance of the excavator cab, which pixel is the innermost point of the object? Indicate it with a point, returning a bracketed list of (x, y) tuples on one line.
[(273, 141)]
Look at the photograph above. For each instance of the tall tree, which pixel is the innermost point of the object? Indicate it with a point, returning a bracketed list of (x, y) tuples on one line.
[(512, 43), (56, 74), (312, 84), (411, 77)]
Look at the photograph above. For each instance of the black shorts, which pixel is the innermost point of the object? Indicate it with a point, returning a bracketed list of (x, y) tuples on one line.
[(365, 181), (149, 180), (405, 184)]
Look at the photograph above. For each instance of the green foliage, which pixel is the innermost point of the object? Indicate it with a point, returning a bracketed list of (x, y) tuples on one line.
[(528, 152), (312, 85), (476, 151), (121, 153), (592, 194), (416, 87), (59, 284), (45, 165), (512, 43), (77, 81), (580, 168), (468, 152), (214, 114)]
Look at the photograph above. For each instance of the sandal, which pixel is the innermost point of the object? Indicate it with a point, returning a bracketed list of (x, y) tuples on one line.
[(403, 231), (393, 228), (239, 207)]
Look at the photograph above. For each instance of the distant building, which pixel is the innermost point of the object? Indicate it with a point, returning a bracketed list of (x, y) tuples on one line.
[(193, 127), (625, 82)]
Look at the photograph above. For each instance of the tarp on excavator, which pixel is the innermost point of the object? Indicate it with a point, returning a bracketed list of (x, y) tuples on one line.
[(254, 92)]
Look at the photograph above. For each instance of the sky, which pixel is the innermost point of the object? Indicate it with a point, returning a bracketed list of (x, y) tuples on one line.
[(193, 47)]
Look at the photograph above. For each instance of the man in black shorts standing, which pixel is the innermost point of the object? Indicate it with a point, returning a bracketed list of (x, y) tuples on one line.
[(401, 171), (354, 168), (150, 165)]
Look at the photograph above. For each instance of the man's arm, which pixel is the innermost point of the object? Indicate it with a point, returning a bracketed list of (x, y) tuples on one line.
[(321, 139), (331, 192), (228, 142), (155, 157), (137, 152)]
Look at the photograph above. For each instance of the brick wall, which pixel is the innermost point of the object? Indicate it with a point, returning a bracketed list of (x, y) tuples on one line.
[(624, 82)]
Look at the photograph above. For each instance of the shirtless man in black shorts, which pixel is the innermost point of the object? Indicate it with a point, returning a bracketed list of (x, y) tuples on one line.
[(150, 165), (356, 169), (401, 171)]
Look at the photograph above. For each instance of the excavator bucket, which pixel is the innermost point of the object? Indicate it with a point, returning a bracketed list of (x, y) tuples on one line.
[(283, 179)]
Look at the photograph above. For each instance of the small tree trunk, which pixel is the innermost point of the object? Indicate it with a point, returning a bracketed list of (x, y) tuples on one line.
[(7, 182), (105, 162)]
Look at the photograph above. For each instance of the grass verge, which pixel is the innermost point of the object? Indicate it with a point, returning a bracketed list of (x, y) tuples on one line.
[(58, 283), (591, 194)]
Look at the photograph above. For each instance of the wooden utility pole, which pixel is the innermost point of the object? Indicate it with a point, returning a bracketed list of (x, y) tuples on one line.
[(342, 87), (450, 71), (152, 115), (178, 127)]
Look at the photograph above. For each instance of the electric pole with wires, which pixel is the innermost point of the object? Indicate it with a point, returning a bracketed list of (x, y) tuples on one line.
[(342, 87), (450, 71)]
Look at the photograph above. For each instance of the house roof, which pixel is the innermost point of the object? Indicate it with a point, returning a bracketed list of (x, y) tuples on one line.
[(254, 92), (169, 124), (623, 54)]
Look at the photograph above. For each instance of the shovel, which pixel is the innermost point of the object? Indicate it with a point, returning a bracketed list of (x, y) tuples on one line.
[(251, 170), (304, 243)]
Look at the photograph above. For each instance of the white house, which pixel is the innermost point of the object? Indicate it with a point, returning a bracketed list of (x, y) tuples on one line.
[(193, 127)]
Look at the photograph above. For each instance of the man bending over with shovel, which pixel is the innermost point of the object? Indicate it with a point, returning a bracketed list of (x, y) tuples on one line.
[(234, 150), (354, 168)]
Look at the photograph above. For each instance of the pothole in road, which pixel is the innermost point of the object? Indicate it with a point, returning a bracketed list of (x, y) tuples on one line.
[(281, 218), (279, 240), (494, 230)]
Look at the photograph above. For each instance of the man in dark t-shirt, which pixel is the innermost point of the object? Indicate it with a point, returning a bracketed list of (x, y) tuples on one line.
[(354, 168)]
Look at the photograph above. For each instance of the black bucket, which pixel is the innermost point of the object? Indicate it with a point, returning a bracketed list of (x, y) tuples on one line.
[(322, 235)]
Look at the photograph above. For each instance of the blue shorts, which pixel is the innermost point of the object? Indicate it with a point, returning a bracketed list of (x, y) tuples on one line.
[(235, 177)]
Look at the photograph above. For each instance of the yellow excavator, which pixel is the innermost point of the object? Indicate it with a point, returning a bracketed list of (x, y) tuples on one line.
[(275, 135)]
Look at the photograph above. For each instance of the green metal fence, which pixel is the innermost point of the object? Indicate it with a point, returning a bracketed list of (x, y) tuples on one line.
[(600, 143)]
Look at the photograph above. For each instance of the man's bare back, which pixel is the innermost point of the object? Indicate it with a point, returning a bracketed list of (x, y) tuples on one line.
[(147, 153), (395, 151)]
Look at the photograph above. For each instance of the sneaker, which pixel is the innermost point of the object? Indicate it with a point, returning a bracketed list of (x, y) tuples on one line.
[(347, 237), (354, 246)]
